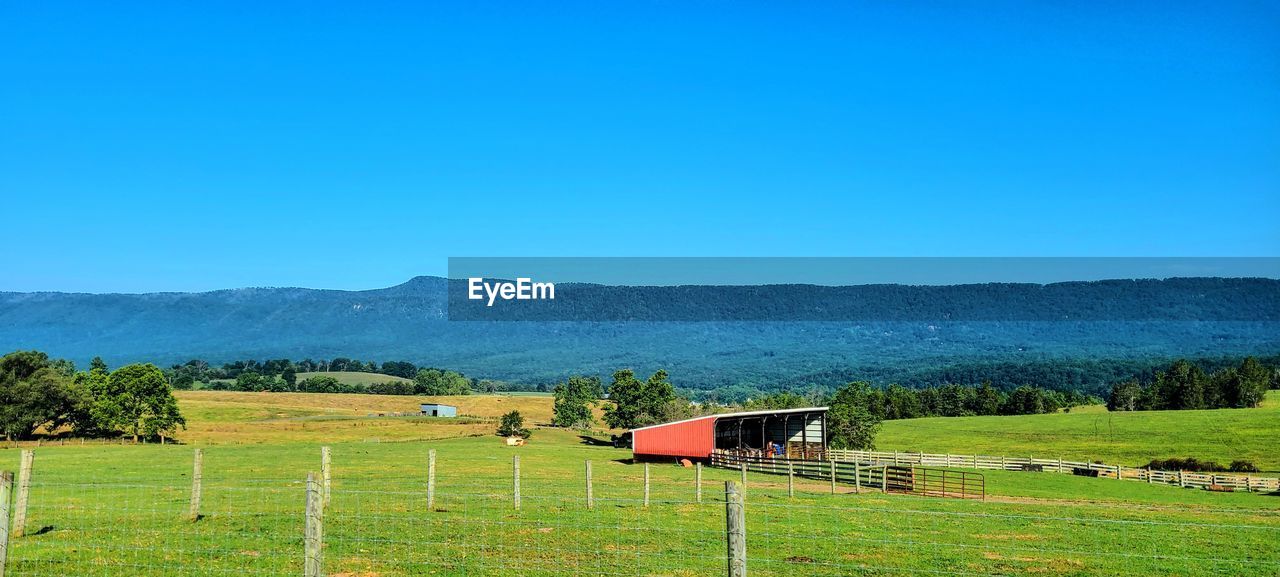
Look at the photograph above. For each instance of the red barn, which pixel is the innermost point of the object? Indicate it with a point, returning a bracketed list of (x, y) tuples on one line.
[(801, 433)]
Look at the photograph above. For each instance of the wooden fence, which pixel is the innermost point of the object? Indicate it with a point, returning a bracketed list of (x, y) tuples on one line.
[(890, 478), (1232, 481)]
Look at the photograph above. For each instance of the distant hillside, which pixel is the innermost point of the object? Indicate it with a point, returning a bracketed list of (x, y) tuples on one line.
[(408, 322)]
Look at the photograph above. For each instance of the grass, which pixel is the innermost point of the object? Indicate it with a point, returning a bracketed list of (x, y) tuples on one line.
[(1093, 433), (118, 510)]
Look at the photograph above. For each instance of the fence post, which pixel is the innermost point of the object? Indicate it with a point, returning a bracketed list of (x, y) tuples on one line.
[(1181, 483), (744, 474), (197, 475), (1119, 473), (431, 480), (833, 477), (6, 487), (24, 492), (857, 477), (791, 480), (1059, 464), (697, 481), (884, 478), (735, 530), (313, 535), (895, 457), (515, 480), (1003, 465), (646, 484), (324, 473), (590, 501)]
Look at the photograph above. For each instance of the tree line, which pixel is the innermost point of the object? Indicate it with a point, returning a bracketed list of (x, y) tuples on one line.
[(281, 376), (1185, 385), (42, 394)]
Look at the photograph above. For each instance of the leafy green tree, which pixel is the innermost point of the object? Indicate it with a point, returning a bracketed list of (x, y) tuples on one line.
[(639, 403), (850, 423), (512, 425), (34, 392), (776, 401), (573, 401), (137, 400), (290, 377), (98, 363), (436, 382)]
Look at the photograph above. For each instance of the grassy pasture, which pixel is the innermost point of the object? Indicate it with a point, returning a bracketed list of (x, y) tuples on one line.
[(118, 510), (1093, 433)]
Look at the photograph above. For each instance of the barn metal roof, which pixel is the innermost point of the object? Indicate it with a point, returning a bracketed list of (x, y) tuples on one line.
[(740, 414)]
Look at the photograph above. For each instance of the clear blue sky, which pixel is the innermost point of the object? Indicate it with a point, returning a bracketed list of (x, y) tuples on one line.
[(174, 146)]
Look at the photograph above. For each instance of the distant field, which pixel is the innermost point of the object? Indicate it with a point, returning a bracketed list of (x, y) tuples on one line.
[(235, 417), (356, 378), (1093, 433)]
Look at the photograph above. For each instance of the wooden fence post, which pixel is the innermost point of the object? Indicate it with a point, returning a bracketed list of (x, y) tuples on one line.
[(6, 488), (697, 481), (791, 480), (313, 535), (325, 473), (1181, 483), (24, 492), (744, 474), (735, 530), (857, 477), (197, 476), (646, 484), (590, 499), (833, 477), (431, 480), (884, 479), (515, 480), (1059, 464)]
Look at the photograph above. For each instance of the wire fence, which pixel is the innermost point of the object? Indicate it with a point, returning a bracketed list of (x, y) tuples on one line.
[(627, 520), (1217, 481)]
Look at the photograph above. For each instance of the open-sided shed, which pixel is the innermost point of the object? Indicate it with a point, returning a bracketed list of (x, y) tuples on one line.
[(798, 433)]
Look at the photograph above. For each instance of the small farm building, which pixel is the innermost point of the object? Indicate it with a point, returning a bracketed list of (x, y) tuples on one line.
[(434, 410), (796, 433)]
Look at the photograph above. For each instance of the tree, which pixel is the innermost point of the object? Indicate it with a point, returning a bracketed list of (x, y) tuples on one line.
[(512, 425), (436, 382), (573, 401), (138, 400), (290, 376), (1125, 396), (34, 392), (850, 423), (639, 403)]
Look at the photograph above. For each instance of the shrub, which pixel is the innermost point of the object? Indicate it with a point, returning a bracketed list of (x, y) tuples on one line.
[(512, 425), (1240, 466), (1187, 464)]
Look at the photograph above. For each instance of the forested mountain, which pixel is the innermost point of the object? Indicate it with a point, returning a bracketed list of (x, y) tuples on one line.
[(1098, 332)]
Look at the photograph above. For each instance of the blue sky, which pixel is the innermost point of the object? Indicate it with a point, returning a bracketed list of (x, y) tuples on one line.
[(169, 146)]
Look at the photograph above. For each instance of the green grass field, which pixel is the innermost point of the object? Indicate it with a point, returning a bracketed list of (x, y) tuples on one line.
[(119, 510), (1093, 433)]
